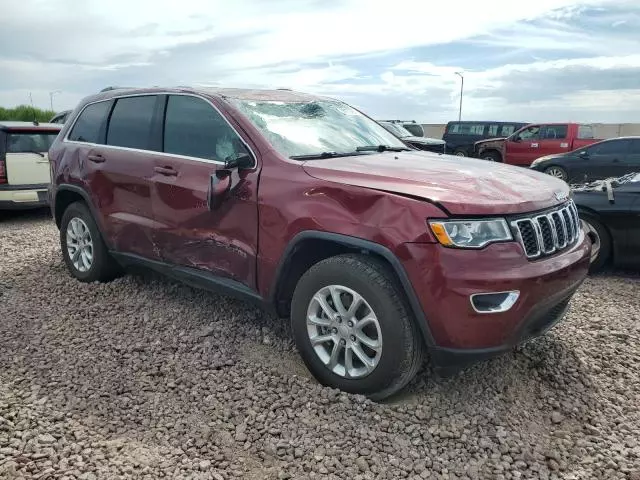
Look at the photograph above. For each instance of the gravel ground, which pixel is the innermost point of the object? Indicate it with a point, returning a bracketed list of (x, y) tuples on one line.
[(145, 378)]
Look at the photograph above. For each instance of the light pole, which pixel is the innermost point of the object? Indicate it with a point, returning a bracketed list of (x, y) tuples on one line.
[(461, 92), (51, 94)]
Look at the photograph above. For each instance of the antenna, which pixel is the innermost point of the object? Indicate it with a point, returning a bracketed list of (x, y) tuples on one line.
[(33, 109)]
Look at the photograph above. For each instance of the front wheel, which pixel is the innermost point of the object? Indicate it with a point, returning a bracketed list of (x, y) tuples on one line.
[(460, 153), (492, 157), (557, 172), (352, 328)]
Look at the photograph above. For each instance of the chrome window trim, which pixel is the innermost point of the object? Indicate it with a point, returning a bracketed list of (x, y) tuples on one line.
[(172, 155)]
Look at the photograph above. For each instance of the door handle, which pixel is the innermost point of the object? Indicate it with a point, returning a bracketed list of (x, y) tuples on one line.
[(534, 145), (615, 160), (96, 158), (168, 171)]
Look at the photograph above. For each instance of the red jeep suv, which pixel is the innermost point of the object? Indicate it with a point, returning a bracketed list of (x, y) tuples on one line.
[(378, 253)]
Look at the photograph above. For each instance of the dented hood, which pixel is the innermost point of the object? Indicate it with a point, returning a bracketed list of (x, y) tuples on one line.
[(460, 185)]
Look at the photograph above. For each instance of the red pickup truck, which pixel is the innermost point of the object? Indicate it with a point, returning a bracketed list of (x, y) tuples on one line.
[(535, 141)]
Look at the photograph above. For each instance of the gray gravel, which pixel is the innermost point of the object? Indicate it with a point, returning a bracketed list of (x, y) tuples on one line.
[(145, 378)]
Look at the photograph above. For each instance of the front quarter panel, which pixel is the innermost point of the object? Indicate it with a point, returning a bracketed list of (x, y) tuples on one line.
[(303, 203)]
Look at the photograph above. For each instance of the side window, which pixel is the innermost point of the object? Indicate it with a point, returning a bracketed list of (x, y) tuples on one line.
[(87, 127), (553, 132), (130, 122), (634, 147), (493, 130), (585, 131), (611, 147), (531, 133), (453, 128), (507, 130), (466, 129), (195, 129)]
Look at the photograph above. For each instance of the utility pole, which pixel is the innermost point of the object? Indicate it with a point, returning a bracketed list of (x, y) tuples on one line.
[(461, 93), (51, 94)]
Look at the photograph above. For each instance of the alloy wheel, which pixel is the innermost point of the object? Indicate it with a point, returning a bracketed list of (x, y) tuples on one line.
[(344, 331), (79, 244), (556, 172)]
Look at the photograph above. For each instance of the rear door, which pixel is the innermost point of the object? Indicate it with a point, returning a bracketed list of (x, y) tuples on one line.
[(27, 161), (221, 239), (114, 140)]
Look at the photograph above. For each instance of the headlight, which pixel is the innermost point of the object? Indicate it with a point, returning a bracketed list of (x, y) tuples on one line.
[(470, 233), (539, 160)]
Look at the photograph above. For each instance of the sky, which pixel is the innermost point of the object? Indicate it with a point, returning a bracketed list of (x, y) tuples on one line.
[(549, 60)]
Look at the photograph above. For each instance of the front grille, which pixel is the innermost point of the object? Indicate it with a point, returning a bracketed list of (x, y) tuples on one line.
[(550, 232)]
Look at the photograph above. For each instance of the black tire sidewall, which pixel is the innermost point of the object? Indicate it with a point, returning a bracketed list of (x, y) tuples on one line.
[(394, 325), (605, 243), (99, 266)]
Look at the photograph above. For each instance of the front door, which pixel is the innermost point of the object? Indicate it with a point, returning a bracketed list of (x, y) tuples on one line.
[(605, 159), (221, 239), (523, 147)]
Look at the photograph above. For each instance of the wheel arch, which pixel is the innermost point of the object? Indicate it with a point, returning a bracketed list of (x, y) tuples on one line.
[(310, 247), (589, 212), (65, 195), (493, 151)]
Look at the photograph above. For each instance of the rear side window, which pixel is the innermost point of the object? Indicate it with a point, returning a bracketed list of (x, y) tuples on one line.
[(195, 129), (553, 132), (131, 121), (87, 127), (585, 131), (30, 142), (466, 129), (634, 147)]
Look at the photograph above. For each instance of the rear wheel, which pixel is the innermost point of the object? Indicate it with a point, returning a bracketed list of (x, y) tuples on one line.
[(600, 242), (461, 153), (557, 172), (83, 249), (352, 328)]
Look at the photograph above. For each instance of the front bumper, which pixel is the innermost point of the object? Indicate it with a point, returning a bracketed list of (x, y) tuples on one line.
[(15, 197), (444, 279)]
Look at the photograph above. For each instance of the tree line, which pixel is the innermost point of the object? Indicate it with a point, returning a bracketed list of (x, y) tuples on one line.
[(25, 113)]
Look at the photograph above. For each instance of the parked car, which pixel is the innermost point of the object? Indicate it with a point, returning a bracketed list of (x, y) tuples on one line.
[(411, 125), (304, 205), (606, 159), (610, 212), (460, 137), (421, 143), (24, 164), (60, 117), (535, 141)]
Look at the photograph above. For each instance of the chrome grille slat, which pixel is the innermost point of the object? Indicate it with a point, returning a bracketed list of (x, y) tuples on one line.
[(550, 232)]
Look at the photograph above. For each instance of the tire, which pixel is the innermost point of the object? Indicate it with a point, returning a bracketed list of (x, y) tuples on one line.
[(600, 240), (557, 172), (102, 267), (460, 152), (492, 157), (401, 348)]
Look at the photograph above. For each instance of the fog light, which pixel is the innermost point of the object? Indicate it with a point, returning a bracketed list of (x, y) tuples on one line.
[(495, 302)]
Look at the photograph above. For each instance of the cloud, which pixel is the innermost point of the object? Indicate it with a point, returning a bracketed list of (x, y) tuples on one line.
[(554, 59)]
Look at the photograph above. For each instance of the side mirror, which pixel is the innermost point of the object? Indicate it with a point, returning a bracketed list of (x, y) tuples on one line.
[(238, 161)]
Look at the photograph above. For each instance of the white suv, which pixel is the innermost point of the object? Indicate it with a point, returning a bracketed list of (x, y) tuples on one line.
[(24, 163)]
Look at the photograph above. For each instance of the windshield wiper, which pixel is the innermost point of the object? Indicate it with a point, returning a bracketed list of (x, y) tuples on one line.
[(315, 156), (381, 148)]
